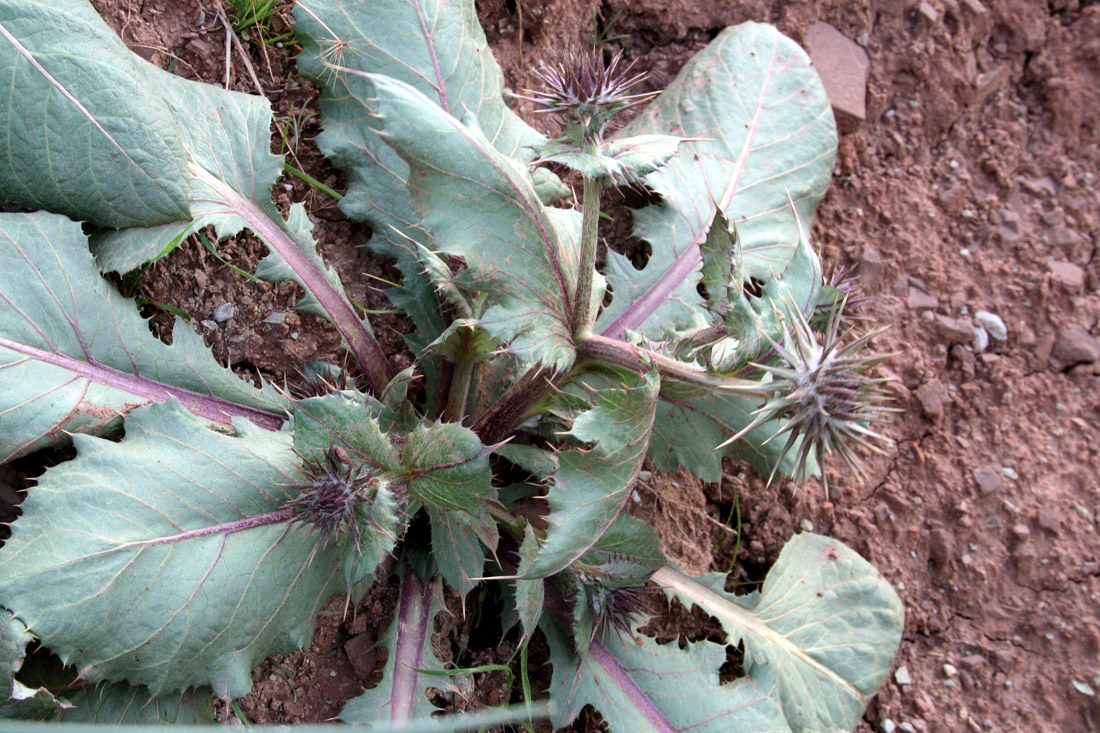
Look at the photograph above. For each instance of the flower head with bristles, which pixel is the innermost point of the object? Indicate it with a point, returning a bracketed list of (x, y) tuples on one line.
[(328, 503), (823, 393), (587, 92)]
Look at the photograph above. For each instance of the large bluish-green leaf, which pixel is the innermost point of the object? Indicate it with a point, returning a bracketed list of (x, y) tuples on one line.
[(167, 559), (591, 484), (480, 205), (638, 685), (825, 624), (84, 133), (75, 355), (401, 696), (765, 130), (447, 467), (459, 541), (121, 704), (436, 46), (17, 699)]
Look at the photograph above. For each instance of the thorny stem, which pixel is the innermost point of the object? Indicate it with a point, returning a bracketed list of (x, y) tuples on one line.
[(514, 406), (460, 388), (583, 311), (641, 360)]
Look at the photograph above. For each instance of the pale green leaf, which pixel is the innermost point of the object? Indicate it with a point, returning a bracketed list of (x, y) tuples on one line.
[(122, 704), (479, 205), (591, 485), (638, 685), (84, 133), (458, 542), (166, 559), (621, 160), (75, 355), (763, 129), (529, 594), (447, 467), (825, 623)]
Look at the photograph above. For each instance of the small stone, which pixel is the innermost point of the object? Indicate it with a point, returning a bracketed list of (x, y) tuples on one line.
[(928, 10), (981, 339), (907, 727), (942, 546), (1010, 472), (806, 525), (1075, 345), (223, 313), (887, 726), (1083, 688), (1050, 519), (920, 300), (209, 325), (988, 479), (949, 670), (1068, 275), (276, 317), (1021, 532), (933, 397), (871, 267), (842, 66), (901, 676), (993, 325), (954, 330)]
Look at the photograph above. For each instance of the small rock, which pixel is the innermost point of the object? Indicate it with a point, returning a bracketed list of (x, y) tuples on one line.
[(1075, 345), (993, 325), (920, 300), (1050, 519), (1083, 688), (981, 339), (887, 726), (223, 313), (1068, 275), (1021, 532), (1011, 225), (209, 325), (1010, 472), (901, 676), (954, 330), (871, 267), (988, 479), (806, 525), (949, 670), (941, 547), (933, 397), (907, 727), (928, 10), (276, 317), (842, 66)]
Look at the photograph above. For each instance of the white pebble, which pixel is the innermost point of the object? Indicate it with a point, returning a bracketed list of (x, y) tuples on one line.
[(993, 324), (981, 339), (807, 525), (1010, 472), (949, 670), (887, 726), (901, 676)]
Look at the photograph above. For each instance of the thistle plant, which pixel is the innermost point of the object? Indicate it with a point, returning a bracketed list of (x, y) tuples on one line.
[(529, 363)]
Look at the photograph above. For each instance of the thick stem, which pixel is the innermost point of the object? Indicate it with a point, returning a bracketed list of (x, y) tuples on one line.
[(460, 390), (515, 406), (641, 360), (583, 312)]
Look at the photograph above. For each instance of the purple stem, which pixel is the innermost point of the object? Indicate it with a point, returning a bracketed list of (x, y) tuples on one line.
[(360, 341), (203, 405), (413, 618)]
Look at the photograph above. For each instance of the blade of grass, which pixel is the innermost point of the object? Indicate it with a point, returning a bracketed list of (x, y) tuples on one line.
[(312, 181), (213, 250)]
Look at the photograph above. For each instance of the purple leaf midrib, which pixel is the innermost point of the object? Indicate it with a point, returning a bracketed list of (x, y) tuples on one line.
[(429, 40), (203, 405), (614, 669), (641, 309)]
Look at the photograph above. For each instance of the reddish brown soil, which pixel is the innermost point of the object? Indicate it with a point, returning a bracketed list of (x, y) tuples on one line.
[(970, 186)]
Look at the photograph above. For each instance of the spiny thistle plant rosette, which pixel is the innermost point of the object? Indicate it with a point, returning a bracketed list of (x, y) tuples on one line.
[(255, 505)]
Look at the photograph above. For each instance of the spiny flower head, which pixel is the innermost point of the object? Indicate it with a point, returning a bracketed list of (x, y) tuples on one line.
[(587, 93), (329, 498), (823, 393), (613, 608)]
